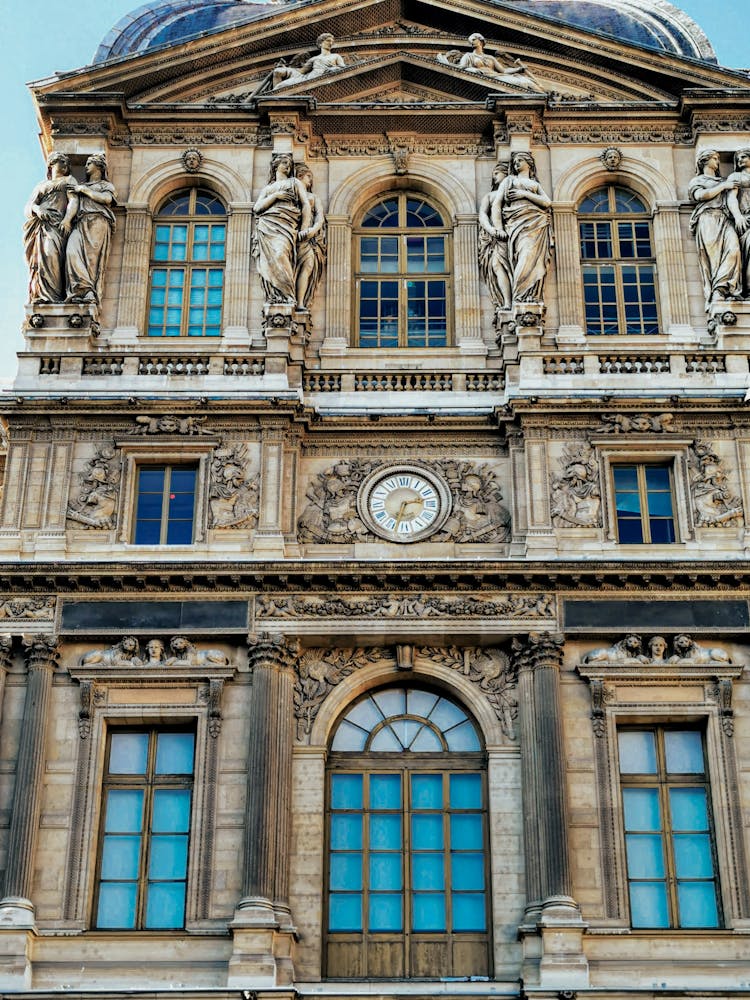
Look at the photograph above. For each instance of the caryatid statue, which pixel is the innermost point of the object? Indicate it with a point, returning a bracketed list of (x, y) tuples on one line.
[(279, 212), (311, 242), (88, 247), (324, 61), (49, 219), (714, 224), (515, 234)]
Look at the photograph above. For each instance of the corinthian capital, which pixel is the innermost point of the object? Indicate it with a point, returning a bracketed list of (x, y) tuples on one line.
[(6, 646), (41, 650), (272, 651), (539, 649)]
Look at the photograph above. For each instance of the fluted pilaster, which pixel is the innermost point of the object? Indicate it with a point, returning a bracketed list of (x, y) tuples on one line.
[(466, 290), (41, 656), (668, 248), (237, 280), (6, 655), (567, 255), (134, 275), (339, 279)]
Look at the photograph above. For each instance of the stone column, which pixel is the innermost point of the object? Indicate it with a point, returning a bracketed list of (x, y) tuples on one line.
[(568, 267), (131, 310), (672, 277), (237, 285), (534, 852), (339, 284), (466, 286), (262, 925), (16, 906)]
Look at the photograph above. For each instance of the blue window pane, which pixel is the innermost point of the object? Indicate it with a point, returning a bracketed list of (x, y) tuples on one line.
[(641, 808), (151, 479), (648, 904), (346, 791), (427, 741), (346, 833), (174, 753), (165, 905), (385, 832), (182, 479), (385, 872), (697, 904), (168, 858), (180, 533), (386, 912), (346, 871), (657, 477), (181, 506), (390, 702), (428, 871), (147, 533), (629, 532), (171, 813), (116, 905), (692, 854), (344, 912), (662, 531), (120, 857), (637, 752), (684, 752), (626, 477), (462, 737), (467, 871), (149, 507), (128, 753), (427, 791), (660, 504), (466, 791), (645, 855), (469, 912), (124, 811), (427, 832), (349, 737), (428, 911), (466, 832), (688, 808), (385, 791)]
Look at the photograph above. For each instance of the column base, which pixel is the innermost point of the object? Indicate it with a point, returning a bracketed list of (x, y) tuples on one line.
[(15, 911), (262, 952), (15, 958), (553, 956)]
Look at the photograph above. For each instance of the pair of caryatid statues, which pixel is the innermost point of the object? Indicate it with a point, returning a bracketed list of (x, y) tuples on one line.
[(68, 232), (289, 240), (721, 225)]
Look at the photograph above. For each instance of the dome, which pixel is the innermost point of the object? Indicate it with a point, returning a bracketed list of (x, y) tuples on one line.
[(652, 24), (172, 21)]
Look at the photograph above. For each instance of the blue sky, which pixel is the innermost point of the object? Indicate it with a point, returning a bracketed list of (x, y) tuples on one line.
[(41, 36)]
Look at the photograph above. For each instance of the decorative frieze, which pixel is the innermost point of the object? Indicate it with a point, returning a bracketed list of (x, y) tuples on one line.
[(127, 653), (169, 424), (629, 650), (415, 607), (25, 609), (637, 423)]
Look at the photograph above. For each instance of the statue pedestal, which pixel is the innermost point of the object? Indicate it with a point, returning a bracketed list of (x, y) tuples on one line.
[(50, 326)]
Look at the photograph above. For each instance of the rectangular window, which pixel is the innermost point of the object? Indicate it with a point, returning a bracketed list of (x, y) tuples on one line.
[(144, 837), (669, 845), (165, 504), (644, 504)]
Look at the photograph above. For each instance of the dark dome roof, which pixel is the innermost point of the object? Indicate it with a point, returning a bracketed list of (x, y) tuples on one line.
[(653, 24)]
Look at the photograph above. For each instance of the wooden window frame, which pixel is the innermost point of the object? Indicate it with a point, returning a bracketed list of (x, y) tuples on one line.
[(149, 782), (640, 466)]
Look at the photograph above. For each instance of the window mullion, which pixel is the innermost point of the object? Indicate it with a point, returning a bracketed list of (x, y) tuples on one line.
[(165, 505)]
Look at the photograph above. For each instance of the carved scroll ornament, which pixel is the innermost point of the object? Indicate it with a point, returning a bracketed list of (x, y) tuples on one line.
[(715, 506), (96, 504), (575, 491), (233, 494)]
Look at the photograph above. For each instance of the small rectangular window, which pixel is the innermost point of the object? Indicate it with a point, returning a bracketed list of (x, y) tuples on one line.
[(165, 504), (669, 843), (644, 504), (145, 830)]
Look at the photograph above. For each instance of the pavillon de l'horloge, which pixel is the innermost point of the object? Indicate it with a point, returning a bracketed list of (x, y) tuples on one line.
[(373, 537)]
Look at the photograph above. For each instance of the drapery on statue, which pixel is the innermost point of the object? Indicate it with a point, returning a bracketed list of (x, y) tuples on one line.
[(324, 61), (715, 224), (88, 247), (311, 242), (515, 234), (738, 202), (279, 212), (479, 61), (49, 220)]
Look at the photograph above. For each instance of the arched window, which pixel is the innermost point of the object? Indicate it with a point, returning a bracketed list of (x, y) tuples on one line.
[(407, 873), (186, 282), (617, 261), (402, 247)]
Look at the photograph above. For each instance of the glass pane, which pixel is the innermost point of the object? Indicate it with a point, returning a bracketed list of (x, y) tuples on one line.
[(165, 905), (467, 871), (174, 753), (349, 737), (626, 477), (346, 791), (420, 702), (657, 477), (428, 911), (346, 832), (346, 871), (645, 856), (116, 905), (469, 912), (445, 715), (684, 752), (428, 871), (637, 752), (385, 791), (171, 810), (697, 904), (463, 737), (128, 753), (629, 531), (641, 808), (427, 832), (427, 791), (120, 857), (406, 730), (391, 702), (385, 872), (385, 831), (124, 811), (385, 912), (168, 857), (689, 809), (366, 714), (344, 912), (648, 904), (383, 214), (427, 741), (597, 201), (386, 741), (466, 791), (692, 855), (466, 832)]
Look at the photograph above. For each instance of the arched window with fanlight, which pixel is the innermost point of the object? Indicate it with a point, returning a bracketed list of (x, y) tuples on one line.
[(617, 262), (407, 872), (402, 274), (186, 281)]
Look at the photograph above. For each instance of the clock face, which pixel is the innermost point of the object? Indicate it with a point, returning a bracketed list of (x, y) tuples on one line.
[(404, 505)]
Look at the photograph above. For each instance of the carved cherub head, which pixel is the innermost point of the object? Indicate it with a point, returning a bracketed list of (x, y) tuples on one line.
[(611, 158)]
